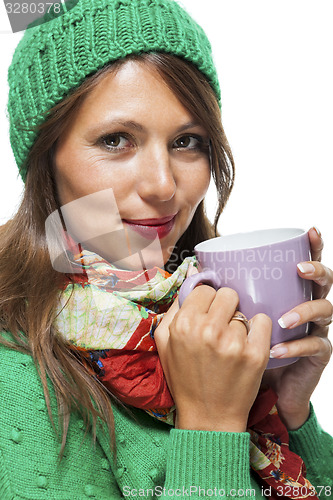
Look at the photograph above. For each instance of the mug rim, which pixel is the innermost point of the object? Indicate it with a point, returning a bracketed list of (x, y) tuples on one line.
[(200, 247)]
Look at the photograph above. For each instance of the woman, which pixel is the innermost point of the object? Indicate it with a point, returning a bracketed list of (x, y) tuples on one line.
[(115, 127)]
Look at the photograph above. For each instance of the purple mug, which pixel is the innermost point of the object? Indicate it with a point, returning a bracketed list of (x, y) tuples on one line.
[(261, 267)]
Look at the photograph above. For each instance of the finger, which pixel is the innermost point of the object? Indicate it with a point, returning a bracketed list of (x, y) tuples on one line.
[(237, 328), (260, 332), (240, 318), (319, 331), (316, 243), (198, 300), (317, 272), (318, 311), (308, 346), (161, 334), (224, 305)]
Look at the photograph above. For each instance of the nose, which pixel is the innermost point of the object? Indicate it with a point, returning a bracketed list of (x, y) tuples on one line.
[(156, 177)]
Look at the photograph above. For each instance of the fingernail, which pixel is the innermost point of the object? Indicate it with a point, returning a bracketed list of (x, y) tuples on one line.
[(277, 352), (289, 319), (317, 231), (306, 268)]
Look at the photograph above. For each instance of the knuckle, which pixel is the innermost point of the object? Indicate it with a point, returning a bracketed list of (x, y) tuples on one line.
[(311, 309), (208, 330), (324, 347), (321, 270), (323, 275), (234, 350), (259, 357), (330, 347), (330, 308), (181, 323)]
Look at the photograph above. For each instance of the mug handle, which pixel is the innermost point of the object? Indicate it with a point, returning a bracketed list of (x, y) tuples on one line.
[(207, 277)]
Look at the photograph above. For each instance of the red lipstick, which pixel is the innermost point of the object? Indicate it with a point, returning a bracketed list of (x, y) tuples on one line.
[(150, 228)]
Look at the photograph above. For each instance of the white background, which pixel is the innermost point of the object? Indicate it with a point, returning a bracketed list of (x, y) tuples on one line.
[(274, 60)]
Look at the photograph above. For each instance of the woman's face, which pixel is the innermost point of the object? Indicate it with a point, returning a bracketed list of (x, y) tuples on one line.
[(143, 159)]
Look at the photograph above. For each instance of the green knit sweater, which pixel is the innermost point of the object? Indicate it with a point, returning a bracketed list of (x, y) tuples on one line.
[(153, 460)]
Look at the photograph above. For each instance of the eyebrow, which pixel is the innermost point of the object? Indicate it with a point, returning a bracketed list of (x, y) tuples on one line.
[(188, 125), (131, 124)]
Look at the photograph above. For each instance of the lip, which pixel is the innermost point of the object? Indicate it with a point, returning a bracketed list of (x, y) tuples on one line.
[(150, 222), (150, 228)]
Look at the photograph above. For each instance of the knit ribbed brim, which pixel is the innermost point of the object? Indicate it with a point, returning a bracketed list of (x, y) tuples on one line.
[(55, 57)]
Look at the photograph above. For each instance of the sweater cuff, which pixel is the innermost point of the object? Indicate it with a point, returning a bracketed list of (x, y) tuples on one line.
[(208, 460), (306, 441)]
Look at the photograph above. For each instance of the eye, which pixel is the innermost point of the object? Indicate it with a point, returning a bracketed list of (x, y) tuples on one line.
[(115, 142), (190, 143)]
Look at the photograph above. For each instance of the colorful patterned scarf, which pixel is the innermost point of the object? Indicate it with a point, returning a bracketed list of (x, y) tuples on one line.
[(109, 315)]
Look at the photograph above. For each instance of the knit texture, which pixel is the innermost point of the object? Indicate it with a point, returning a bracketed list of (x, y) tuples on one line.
[(312, 454), (149, 455), (55, 57)]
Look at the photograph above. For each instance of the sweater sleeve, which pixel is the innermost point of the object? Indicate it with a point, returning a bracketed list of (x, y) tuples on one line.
[(180, 463), (192, 461), (29, 447), (316, 449)]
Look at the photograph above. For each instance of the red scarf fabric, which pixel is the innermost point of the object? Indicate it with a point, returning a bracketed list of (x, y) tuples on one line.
[(134, 374), (283, 473)]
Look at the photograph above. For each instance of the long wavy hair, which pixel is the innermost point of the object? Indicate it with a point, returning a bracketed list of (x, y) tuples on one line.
[(29, 285)]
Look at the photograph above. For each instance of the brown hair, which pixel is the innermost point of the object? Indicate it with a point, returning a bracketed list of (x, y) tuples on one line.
[(29, 286)]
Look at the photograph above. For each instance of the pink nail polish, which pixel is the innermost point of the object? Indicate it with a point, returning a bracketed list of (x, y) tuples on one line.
[(277, 352), (289, 319), (306, 268), (317, 231)]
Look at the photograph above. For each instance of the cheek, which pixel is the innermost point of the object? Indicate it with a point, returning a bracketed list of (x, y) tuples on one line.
[(100, 196), (197, 185), (78, 175), (65, 188), (66, 173)]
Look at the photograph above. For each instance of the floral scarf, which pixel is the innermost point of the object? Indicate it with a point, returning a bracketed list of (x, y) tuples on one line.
[(109, 315)]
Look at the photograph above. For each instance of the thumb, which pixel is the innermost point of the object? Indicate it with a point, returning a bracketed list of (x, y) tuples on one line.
[(161, 334), (260, 332)]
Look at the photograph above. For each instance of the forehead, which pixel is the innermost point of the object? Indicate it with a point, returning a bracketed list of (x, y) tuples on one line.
[(134, 87)]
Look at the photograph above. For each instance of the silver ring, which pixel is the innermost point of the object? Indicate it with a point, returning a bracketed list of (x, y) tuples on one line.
[(240, 317)]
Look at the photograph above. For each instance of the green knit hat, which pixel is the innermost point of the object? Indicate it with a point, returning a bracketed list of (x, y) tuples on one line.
[(55, 57)]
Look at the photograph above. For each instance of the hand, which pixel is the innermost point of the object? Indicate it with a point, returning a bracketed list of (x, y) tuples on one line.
[(213, 368), (294, 384)]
